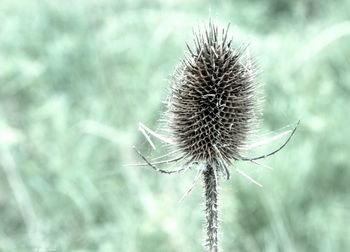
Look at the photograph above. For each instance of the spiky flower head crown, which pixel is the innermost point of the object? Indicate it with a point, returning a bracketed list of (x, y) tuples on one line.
[(213, 101)]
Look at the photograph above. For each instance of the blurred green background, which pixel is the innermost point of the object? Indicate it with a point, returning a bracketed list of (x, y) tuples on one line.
[(76, 77)]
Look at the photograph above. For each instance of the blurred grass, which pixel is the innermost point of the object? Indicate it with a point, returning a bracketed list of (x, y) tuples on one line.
[(76, 77)]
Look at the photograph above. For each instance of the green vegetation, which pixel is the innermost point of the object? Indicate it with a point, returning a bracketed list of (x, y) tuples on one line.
[(76, 77)]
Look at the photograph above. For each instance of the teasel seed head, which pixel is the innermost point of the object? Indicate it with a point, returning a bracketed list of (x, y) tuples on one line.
[(213, 103)]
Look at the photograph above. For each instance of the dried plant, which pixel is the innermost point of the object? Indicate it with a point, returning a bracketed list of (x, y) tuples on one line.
[(212, 108)]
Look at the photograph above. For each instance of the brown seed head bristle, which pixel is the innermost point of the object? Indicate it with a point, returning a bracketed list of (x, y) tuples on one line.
[(213, 99)]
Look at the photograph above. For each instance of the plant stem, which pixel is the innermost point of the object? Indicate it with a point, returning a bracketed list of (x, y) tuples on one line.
[(211, 208)]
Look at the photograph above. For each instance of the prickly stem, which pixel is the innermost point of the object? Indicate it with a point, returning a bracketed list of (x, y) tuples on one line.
[(211, 209)]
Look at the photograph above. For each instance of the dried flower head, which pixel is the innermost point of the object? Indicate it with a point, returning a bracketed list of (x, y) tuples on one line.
[(213, 102)]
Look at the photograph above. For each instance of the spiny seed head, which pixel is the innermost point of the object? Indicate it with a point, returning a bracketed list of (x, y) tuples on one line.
[(213, 99)]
